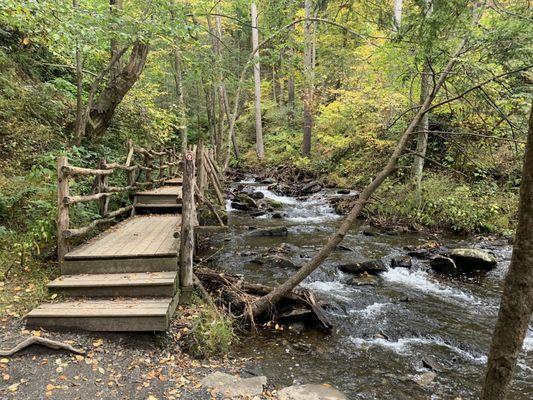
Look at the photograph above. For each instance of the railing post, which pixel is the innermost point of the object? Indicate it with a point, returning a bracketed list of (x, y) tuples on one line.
[(103, 184), (63, 220), (149, 172), (187, 229), (200, 167)]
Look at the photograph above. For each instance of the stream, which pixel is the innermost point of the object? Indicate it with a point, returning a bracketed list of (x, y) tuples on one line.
[(384, 335)]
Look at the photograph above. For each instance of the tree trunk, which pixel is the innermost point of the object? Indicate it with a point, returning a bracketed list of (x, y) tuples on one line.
[(104, 108), (517, 298), (398, 5), (79, 127), (308, 81), (178, 82), (290, 82), (423, 128), (262, 305), (257, 85)]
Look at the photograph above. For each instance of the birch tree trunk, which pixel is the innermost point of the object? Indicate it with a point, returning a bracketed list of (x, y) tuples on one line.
[(308, 81), (398, 6), (517, 298), (257, 85)]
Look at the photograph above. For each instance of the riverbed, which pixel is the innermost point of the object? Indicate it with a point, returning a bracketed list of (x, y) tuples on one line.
[(384, 335)]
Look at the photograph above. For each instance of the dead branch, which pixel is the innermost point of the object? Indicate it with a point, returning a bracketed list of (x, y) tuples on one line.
[(52, 344)]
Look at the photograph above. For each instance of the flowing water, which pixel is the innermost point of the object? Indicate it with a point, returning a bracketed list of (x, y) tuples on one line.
[(382, 333)]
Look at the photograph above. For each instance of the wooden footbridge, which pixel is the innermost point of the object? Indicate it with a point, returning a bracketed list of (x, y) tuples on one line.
[(128, 277)]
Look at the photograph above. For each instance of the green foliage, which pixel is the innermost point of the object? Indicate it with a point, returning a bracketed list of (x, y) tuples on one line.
[(444, 204), (212, 332)]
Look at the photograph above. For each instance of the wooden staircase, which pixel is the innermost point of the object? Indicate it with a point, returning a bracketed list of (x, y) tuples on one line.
[(126, 278)]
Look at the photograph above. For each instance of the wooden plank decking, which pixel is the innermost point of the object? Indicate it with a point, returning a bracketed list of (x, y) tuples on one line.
[(124, 279)]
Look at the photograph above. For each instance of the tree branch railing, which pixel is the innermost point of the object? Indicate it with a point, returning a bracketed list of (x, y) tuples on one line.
[(168, 162)]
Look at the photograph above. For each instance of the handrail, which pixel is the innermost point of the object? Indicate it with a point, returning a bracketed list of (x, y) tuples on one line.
[(145, 168)]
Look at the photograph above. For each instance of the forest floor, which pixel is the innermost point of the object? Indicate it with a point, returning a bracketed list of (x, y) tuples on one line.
[(114, 366)]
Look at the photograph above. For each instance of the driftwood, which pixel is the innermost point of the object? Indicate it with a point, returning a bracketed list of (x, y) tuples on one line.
[(237, 294), (53, 344)]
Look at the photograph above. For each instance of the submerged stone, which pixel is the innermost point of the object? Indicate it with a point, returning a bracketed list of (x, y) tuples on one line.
[(343, 191), (275, 261), (363, 280), (310, 392), (279, 231)]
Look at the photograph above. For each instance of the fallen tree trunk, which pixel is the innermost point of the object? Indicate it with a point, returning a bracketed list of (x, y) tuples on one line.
[(238, 295)]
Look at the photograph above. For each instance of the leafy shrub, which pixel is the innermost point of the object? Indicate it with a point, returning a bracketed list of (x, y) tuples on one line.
[(212, 332)]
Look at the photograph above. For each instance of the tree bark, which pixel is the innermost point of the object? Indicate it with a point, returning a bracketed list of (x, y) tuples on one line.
[(182, 113), (290, 82), (398, 5), (308, 81), (78, 128), (262, 305), (257, 86), (517, 298), (423, 128), (102, 111)]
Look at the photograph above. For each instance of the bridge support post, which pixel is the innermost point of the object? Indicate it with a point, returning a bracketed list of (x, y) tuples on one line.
[(187, 229)]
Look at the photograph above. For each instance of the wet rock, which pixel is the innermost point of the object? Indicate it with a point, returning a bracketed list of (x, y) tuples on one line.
[(444, 265), (277, 215), (369, 267), (370, 231), (297, 327), (279, 231), (312, 187), (401, 262), (472, 259), (341, 247), (256, 214), (233, 386), (425, 379), (257, 195), (310, 392), (243, 198), (429, 363), (267, 181), (419, 253), (343, 191), (239, 206), (273, 203), (363, 280), (283, 248), (275, 261)]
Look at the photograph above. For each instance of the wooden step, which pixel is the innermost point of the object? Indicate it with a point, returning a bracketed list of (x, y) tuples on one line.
[(157, 208), (115, 315), (117, 285), (161, 195), (174, 182), (139, 244)]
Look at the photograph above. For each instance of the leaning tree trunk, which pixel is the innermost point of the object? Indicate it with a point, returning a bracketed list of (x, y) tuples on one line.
[(104, 108), (257, 86), (517, 299), (264, 303)]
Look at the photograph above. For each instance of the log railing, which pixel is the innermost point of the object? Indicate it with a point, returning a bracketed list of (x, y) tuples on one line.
[(167, 166)]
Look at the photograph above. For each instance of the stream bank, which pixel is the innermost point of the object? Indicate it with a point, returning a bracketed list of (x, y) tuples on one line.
[(411, 334)]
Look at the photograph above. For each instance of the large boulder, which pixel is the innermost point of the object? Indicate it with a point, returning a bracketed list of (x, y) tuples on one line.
[(257, 195), (472, 259), (372, 267), (311, 187), (444, 265), (243, 198), (310, 392)]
